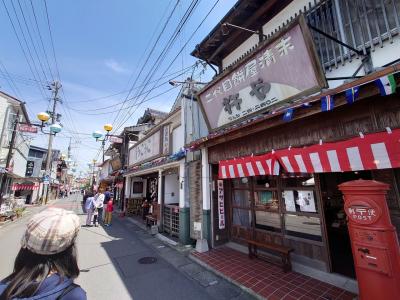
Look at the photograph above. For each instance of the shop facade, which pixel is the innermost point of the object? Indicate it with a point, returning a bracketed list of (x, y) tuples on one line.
[(288, 125), (154, 176)]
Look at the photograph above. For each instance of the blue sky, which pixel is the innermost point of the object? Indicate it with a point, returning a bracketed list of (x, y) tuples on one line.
[(100, 46)]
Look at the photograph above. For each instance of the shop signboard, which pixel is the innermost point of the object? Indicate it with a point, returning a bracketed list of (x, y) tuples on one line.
[(221, 205), (116, 140), (166, 135), (145, 150), (27, 128), (267, 78)]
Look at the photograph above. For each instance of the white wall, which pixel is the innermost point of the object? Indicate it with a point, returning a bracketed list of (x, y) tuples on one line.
[(171, 189), (238, 52), (380, 56), (177, 139)]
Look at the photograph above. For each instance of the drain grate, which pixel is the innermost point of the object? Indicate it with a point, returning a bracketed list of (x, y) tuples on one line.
[(147, 260)]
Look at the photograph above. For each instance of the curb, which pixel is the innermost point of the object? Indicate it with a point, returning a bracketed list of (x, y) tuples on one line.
[(220, 274)]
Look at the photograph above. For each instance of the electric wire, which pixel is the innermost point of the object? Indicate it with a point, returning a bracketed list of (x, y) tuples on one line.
[(162, 56), (147, 59), (21, 47), (191, 36)]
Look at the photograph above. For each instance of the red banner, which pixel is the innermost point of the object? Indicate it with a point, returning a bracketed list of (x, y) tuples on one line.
[(370, 152)]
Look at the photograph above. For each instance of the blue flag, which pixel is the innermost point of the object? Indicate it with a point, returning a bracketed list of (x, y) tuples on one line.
[(352, 94), (288, 114), (327, 103)]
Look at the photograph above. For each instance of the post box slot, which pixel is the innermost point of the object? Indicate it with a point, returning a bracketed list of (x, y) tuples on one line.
[(373, 259)]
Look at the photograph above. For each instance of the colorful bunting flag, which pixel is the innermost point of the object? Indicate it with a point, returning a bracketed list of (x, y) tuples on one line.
[(288, 114), (327, 103), (352, 94), (386, 84)]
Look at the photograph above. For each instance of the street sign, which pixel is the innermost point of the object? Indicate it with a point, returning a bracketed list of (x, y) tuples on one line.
[(117, 140), (27, 128), (46, 179)]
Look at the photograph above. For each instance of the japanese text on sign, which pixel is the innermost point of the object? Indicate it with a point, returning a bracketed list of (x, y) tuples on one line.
[(362, 213), (221, 205), (269, 75)]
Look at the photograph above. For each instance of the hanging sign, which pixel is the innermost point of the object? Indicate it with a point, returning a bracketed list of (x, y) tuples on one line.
[(27, 128), (221, 205), (116, 140), (267, 77)]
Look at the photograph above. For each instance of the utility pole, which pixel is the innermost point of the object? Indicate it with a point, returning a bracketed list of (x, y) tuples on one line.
[(9, 157), (55, 87)]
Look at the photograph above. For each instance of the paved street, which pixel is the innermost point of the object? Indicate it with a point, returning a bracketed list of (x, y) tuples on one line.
[(108, 258)]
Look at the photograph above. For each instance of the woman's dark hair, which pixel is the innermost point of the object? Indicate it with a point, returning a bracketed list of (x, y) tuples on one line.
[(31, 269)]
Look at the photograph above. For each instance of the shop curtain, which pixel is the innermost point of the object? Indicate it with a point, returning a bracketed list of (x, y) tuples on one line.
[(266, 164), (370, 152)]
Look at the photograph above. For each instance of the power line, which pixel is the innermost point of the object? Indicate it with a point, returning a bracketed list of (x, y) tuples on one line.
[(124, 91), (163, 54), (119, 103), (41, 41), (127, 107), (147, 59), (22, 48), (129, 114), (33, 43)]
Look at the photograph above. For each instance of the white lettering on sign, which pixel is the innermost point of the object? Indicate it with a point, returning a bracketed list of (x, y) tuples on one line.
[(27, 128), (360, 213), (221, 205)]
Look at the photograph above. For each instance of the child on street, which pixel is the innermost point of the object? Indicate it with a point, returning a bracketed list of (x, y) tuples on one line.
[(109, 210)]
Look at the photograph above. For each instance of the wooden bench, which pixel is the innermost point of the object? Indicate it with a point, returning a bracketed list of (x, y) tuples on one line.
[(283, 251)]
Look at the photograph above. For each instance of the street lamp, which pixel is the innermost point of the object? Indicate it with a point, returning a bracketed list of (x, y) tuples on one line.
[(98, 135)]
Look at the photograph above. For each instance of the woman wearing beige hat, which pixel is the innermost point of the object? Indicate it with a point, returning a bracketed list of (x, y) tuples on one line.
[(46, 264)]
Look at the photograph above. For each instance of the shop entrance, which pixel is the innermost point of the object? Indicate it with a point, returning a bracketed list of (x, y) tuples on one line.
[(335, 220)]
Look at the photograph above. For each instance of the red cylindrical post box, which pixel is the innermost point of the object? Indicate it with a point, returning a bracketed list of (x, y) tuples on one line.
[(373, 239)]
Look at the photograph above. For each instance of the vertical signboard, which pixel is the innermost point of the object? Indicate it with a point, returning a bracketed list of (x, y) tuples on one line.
[(221, 205), (166, 135)]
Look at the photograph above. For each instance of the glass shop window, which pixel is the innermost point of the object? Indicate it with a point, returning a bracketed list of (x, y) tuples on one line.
[(241, 198), (241, 217), (300, 204), (306, 227), (266, 203)]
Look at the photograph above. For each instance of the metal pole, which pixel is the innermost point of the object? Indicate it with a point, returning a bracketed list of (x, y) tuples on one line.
[(56, 86), (9, 156)]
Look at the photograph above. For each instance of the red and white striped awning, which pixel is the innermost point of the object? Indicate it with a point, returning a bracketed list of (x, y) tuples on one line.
[(373, 151), (24, 187), (266, 164)]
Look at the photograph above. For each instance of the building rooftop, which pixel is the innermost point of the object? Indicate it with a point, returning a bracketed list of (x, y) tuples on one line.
[(250, 14)]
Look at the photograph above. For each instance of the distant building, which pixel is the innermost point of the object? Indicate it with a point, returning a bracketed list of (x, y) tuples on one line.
[(10, 108)]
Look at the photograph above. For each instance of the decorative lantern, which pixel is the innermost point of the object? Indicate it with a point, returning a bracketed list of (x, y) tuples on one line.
[(108, 127), (55, 128), (97, 134), (43, 116)]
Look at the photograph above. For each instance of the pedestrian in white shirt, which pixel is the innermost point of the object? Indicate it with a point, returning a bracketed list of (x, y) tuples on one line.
[(98, 203)]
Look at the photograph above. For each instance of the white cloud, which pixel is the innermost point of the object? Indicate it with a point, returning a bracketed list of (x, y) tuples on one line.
[(116, 66)]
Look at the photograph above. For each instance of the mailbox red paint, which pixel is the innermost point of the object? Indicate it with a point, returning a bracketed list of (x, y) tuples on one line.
[(373, 238)]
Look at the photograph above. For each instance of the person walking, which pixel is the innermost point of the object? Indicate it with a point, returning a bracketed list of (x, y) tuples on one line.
[(89, 206), (99, 205), (46, 265), (109, 210)]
